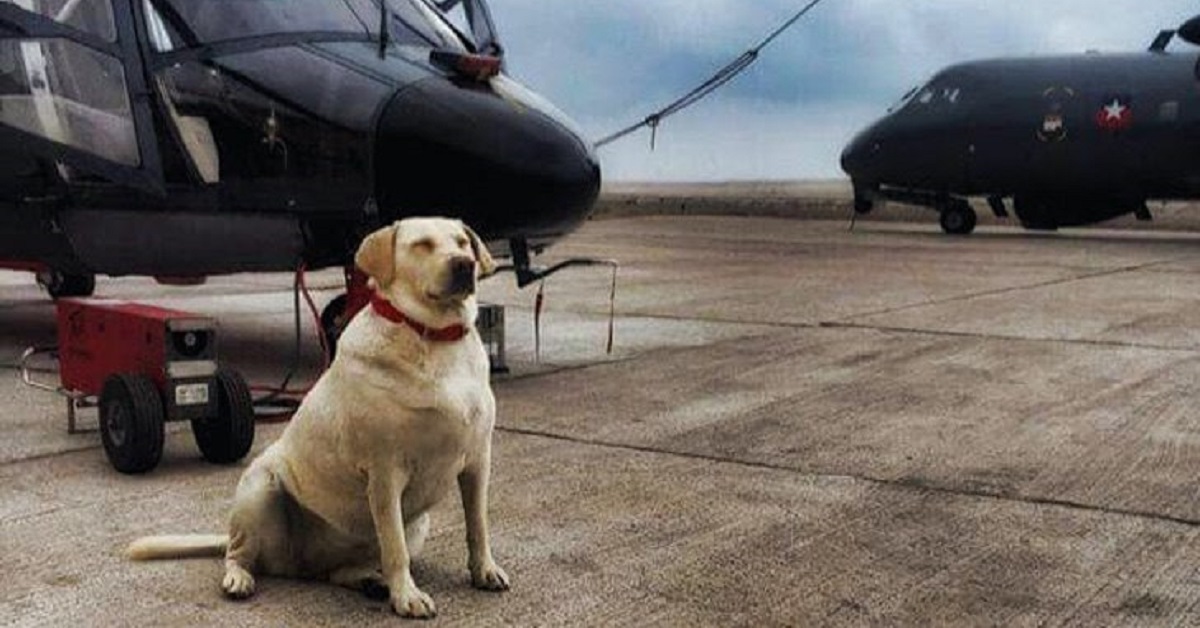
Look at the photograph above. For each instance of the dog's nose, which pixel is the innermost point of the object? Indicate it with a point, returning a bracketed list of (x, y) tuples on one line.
[(462, 274)]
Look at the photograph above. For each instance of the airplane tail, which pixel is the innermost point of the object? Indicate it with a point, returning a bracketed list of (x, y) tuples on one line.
[(178, 546)]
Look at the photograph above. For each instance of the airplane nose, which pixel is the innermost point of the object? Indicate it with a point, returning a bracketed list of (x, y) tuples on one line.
[(859, 154), (504, 164)]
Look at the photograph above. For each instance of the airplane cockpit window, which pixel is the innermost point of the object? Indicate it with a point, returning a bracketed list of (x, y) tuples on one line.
[(92, 16), (904, 100), (938, 95), (69, 94)]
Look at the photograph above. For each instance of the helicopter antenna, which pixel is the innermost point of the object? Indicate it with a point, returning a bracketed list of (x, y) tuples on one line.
[(385, 35), (723, 76)]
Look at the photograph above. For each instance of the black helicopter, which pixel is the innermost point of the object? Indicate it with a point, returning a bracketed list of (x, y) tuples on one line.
[(186, 138), (1070, 140)]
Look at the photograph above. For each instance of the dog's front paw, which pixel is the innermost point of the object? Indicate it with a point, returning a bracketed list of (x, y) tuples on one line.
[(412, 602), (489, 577), (238, 583)]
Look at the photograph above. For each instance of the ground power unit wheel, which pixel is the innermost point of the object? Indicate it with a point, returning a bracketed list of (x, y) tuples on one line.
[(228, 436), (131, 422)]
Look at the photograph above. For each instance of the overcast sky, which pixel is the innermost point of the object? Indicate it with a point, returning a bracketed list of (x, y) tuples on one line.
[(609, 63)]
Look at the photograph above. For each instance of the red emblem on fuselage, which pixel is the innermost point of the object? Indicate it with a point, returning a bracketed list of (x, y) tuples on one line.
[(1116, 114)]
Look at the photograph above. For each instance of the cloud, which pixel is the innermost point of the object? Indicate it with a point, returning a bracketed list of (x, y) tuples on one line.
[(610, 63)]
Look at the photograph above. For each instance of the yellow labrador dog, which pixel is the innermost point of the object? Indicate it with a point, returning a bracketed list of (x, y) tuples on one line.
[(404, 412)]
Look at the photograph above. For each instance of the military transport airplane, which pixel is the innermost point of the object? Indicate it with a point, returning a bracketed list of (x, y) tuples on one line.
[(1069, 140), (183, 138)]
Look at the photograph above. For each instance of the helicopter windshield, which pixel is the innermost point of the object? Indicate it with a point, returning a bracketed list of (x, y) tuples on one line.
[(427, 20), (198, 22), (206, 21)]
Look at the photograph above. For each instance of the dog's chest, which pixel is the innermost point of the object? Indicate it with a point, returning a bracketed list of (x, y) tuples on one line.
[(433, 458), (444, 440)]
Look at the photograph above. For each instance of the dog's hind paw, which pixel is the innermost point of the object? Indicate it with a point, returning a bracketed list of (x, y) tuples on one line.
[(490, 578), (414, 603), (238, 583)]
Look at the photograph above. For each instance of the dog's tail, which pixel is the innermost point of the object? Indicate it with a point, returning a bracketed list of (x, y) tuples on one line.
[(178, 546)]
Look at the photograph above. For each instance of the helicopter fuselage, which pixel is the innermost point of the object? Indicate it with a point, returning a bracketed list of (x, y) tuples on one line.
[(153, 138)]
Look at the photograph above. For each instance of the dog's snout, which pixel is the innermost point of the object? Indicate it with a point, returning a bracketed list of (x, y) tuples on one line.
[(462, 266), (462, 274)]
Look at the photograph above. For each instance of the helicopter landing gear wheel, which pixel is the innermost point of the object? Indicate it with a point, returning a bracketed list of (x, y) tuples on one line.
[(59, 284), (957, 218), (131, 422)]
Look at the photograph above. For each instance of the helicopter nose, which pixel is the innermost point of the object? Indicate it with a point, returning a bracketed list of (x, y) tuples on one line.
[(505, 164)]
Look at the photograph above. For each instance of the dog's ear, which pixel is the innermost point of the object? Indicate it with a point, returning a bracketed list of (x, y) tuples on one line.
[(487, 265), (377, 255)]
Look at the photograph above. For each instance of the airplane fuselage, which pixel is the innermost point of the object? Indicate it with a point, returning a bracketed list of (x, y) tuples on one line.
[(1072, 140)]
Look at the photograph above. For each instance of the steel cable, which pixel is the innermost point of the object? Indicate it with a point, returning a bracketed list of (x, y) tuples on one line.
[(722, 76)]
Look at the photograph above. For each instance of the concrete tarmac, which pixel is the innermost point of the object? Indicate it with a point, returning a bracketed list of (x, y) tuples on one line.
[(799, 426)]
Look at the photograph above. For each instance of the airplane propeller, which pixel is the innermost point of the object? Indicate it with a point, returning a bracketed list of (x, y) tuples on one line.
[(1190, 31)]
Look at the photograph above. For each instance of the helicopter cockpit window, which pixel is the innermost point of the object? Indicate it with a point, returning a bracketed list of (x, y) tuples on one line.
[(92, 16), (456, 14), (429, 21), (473, 22), (216, 20), (175, 24), (160, 33), (67, 93)]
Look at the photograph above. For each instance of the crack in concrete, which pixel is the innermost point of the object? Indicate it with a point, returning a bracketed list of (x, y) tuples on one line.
[(1114, 344), (50, 454), (906, 483), (1033, 286)]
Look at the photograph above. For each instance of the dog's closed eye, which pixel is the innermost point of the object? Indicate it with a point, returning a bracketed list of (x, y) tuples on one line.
[(424, 245)]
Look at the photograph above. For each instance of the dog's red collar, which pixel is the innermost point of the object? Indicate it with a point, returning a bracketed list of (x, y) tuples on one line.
[(384, 308)]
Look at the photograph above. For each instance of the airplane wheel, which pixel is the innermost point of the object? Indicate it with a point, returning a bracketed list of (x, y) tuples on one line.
[(59, 284), (131, 422), (333, 321), (228, 436), (958, 218)]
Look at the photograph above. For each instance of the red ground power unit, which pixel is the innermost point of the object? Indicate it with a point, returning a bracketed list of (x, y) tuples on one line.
[(148, 365)]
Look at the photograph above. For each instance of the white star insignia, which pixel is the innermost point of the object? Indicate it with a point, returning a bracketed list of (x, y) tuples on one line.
[(1115, 110)]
